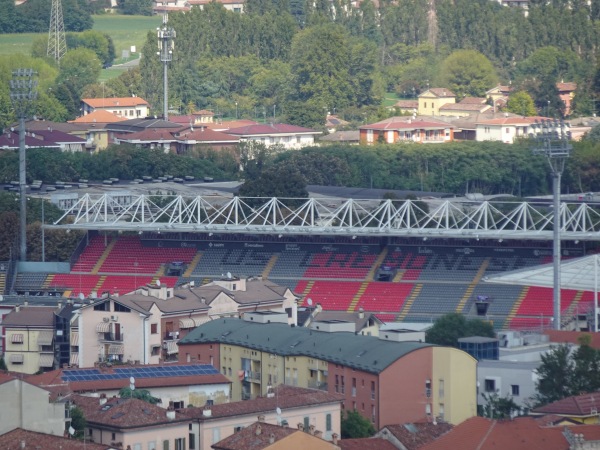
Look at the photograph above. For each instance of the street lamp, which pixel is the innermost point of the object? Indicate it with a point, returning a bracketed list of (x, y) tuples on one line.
[(23, 92), (236, 110), (551, 139)]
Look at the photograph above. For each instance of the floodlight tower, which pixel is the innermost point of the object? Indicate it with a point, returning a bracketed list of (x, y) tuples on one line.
[(166, 43), (23, 92), (552, 140), (57, 44)]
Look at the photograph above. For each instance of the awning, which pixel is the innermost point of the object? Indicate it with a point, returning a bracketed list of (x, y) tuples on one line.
[(74, 359), (103, 327), (115, 349), (200, 320), (16, 338), (45, 337), (46, 360), (74, 339), (16, 358), (172, 347), (187, 322)]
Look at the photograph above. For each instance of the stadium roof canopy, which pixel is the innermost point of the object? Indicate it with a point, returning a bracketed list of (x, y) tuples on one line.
[(582, 274)]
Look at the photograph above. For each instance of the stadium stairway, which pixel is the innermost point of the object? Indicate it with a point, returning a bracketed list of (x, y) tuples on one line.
[(378, 262), (413, 296), (190, 269), (570, 311), (465, 298), (269, 266), (102, 258), (160, 272), (47, 281), (308, 287), (398, 276), (356, 299), (100, 283), (513, 312), (2, 282)]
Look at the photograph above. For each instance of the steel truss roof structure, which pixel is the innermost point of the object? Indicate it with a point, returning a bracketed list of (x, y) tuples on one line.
[(334, 216)]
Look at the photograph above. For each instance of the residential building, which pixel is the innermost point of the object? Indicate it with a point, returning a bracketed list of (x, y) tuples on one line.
[(521, 433), (407, 106), (366, 444), (177, 385), (333, 122), (433, 99), (31, 440), (505, 129), (132, 423), (499, 95), (386, 381), (128, 107), (466, 107), (145, 326), (259, 436), (342, 137), (406, 129), (514, 379), (29, 407), (282, 405), (43, 139), (566, 92), (411, 436), (287, 136), (357, 322), (29, 338), (578, 408), (230, 5), (95, 122)]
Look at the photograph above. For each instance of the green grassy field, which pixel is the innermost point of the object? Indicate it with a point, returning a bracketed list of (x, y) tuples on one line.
[(125, 31)]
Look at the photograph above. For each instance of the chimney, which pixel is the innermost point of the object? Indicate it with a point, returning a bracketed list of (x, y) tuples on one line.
[(271, 438), (171, 414), (361, 313), (258, 430), (311, 429), (17, 308), (319, 434), (103, 400), (300, 426), (261, 418), (334, 438), (207, 412)]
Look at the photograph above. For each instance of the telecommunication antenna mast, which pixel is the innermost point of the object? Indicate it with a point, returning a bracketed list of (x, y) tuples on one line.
[(57, 44), (166, 36)]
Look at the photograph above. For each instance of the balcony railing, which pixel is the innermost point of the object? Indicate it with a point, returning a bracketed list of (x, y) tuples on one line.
[(110, 337), (321, 385)]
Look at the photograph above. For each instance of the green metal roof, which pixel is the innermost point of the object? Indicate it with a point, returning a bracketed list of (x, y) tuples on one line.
[(366, 353)]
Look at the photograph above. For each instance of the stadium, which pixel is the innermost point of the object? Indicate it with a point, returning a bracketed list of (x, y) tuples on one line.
[(404, 261)]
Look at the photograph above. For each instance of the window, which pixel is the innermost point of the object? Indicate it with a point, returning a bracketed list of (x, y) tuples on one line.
[(373, 413), (180, 444), (306, 423), (113, 437), (179, 405), (441, 389), (152, 445), (328, 422), (343, 387), (102, 307), (192, 438), (490, 385), (120, 308), (354, 387), (137, 446), (216, 435), (372, 390), (155, 350), (165, 445), (514, 389), (337, 382), (153, 328), (236, 429)]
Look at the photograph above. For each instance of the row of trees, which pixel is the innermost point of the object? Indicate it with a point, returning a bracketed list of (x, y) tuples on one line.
[(329, 56)]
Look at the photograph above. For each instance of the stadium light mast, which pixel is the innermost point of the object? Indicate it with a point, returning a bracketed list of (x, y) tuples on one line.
[(552, 140), (23, 92), (166, 43)]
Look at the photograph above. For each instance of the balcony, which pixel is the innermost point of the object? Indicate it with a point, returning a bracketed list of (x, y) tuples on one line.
[(110, 337), (321, 385)]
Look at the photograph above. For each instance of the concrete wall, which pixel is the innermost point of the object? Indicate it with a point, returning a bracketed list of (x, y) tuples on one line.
[(28, 407)]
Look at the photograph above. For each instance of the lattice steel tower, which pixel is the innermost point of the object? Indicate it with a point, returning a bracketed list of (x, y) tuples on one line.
[(57, 44), (166, 44)]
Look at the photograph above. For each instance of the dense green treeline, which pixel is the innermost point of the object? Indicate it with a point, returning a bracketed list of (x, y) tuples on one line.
[(330, 55), (33, 16), (459, 167)]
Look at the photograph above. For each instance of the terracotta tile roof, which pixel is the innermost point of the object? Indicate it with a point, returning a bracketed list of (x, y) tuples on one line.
[(148, 135), (566, 86), (413, 104), (203, 134), (478, 433), (6, 376), (522, 121), (14, 439), (441, 92), (113, 102), (366, 444), (122, 413), (255, 437), (404, 123), (464, 107), (415, 435), (30, 316), (53, 380), (580, 405), (287, 397), (65, 127), (590, 432), (270, 129), (473, 101), (572, 337), (99, 116), (342, 136), (226, 125)]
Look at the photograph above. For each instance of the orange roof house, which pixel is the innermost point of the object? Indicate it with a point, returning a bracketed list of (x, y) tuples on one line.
[(129, 107)]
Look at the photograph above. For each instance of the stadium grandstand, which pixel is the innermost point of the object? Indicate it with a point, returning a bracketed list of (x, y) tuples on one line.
[(413, 272)]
